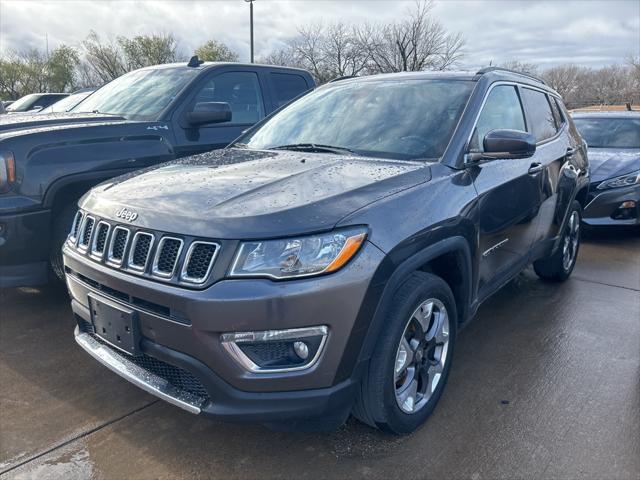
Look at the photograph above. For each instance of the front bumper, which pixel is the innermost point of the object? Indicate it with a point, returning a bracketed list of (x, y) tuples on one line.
[(24, 248), (182, 328), (603, 207)]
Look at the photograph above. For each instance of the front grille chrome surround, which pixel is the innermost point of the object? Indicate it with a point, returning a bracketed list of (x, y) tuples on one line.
[(84, 238), (181, 260), (156, 269), (113, 257), (98, 238), (138, 267), (75, 227), (198, 280)]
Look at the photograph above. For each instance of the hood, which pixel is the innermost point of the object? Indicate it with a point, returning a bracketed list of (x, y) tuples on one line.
[(243, 194), (605, 163), (18, 121)]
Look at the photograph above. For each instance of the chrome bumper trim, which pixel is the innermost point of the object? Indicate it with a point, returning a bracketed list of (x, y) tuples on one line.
[(140, 377)]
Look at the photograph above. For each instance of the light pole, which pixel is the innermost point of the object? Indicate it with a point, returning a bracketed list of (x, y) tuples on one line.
[(250, 2)]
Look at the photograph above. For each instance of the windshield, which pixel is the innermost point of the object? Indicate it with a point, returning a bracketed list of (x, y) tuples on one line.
[(398, 119), (66, 103), (609, 132), (24, 103), (139, 95)]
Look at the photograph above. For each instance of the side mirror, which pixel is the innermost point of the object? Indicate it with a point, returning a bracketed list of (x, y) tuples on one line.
[(209, 112), (509, 144)]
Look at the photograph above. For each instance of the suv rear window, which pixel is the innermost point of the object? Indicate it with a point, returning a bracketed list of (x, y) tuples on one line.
[(541, 121), (287, 87)]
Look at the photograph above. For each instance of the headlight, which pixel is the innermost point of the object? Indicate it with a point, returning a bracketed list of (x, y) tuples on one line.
[(621, 181), (7, 171), (298, 257)]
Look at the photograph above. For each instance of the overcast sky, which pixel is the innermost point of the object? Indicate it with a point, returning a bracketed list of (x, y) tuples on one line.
[(587, 32)]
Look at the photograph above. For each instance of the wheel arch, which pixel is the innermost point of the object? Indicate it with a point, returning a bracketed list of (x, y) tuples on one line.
[(436, 258)]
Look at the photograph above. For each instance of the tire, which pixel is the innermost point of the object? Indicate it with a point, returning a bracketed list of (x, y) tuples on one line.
[(60, 230), (384, 397), (559, 265)]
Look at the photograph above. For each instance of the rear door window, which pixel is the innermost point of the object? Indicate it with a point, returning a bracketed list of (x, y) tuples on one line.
[(501, 110), (241, 90), (541, 120), (287, 86)]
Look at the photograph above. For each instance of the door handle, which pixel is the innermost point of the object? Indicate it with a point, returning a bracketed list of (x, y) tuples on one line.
[(536, 167)]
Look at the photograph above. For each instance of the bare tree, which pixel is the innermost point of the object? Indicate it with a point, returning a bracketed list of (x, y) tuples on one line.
[(418, 42), (105, 60), (145, 50)]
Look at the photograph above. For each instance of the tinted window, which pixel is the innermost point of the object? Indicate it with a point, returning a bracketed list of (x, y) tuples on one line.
[(557, 113), (241, 90), (400, 119), (287, 87), (139, 95), (541, 121), (502, 110), (610, 132)]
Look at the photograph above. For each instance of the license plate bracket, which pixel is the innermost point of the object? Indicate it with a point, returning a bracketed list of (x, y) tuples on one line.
[(115, 324)]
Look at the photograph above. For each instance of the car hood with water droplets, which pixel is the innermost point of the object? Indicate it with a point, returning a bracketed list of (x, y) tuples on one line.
[(240, 193)]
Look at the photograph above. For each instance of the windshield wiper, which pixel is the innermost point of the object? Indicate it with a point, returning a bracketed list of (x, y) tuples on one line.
[(315, 147)]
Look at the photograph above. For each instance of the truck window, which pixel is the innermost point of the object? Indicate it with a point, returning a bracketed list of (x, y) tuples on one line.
[(286, 87), (541, 121), (502, 110), (241, 90)]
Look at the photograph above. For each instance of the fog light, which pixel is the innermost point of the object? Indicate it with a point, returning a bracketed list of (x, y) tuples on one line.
[(625, 211), (276, 350), (628, 204), (301, 350)]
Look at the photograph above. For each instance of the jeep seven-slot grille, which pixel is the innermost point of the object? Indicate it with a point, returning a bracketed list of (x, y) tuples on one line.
[(167, 256), (199, 261), (75, 227), (118, 244), (151, 254), (87, 231), (100, 239), (141, 249)]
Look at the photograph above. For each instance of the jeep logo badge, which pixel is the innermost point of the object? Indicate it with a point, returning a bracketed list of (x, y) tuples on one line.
[(127, 215)]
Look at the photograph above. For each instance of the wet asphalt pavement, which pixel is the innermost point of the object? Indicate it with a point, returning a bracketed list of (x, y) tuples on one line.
[(545, 384)]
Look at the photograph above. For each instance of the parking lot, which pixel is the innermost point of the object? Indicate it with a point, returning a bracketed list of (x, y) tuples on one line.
[(545, 384)]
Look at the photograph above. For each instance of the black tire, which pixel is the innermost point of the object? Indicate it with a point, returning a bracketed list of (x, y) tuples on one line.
[(555, 267), (60, 230), (376, 403)]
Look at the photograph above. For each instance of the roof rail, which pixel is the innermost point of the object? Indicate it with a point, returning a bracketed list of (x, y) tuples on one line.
[(344, 77), (502, 69)]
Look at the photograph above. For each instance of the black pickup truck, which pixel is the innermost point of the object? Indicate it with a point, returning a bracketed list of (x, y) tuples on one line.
[(145, 117)]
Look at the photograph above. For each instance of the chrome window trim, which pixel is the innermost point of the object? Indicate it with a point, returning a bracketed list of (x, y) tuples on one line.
[(81, 247), (71, 238), (230, 343), (110, 259), (132, 249), (154, 267), (94, 241), (185, 266)]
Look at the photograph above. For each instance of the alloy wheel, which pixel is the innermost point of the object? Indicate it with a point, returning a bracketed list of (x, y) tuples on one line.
[(570, 242), (421, 355)]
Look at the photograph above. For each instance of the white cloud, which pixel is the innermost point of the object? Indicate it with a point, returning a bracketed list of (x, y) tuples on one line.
[(546, 32)]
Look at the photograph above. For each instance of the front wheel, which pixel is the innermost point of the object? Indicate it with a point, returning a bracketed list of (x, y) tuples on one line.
[(412, 358), (559, 265)]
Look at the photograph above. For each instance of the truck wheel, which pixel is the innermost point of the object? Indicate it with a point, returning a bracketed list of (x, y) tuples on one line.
[(60, 231), (559, 265), (411, 361)]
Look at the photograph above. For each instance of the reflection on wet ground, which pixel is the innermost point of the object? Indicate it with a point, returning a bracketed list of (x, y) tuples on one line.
[(545, 385)]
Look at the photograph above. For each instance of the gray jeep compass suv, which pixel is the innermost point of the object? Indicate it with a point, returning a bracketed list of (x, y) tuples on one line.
[(322, 264)]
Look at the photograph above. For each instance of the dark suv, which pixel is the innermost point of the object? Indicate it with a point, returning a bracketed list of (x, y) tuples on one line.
[(323, 263), (143, 118)]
